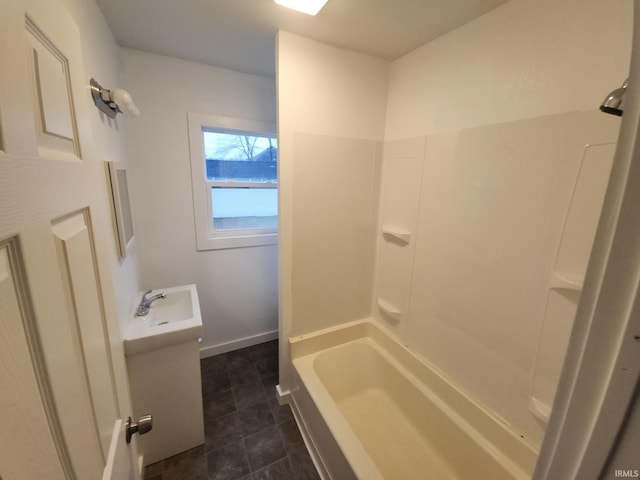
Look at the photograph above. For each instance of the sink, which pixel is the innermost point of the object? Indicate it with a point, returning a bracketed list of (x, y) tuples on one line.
[(163, 363), (171, 320), (175, 307)]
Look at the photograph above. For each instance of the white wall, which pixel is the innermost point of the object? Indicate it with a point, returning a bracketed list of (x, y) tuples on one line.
[(524, 59), (237, 287), (492, 102), (328, 90), (331, 107)]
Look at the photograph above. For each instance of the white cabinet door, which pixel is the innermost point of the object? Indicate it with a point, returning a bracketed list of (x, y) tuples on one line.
[(59, 406)]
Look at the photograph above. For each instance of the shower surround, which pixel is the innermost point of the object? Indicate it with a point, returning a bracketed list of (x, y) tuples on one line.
[(450, 200)]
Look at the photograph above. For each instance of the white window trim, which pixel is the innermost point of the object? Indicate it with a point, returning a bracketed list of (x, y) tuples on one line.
[(203, 217)]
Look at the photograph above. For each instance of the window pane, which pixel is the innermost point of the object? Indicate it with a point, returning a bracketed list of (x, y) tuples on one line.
[(244, 208), (240, 157)]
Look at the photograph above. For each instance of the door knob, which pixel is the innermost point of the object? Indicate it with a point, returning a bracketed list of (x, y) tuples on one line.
[(144, 425)]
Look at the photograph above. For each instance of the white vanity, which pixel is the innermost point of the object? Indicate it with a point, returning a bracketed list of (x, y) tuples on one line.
[(163, 360)]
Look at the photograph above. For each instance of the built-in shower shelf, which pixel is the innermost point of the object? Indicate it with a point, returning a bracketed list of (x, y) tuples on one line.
[(389, 311), (399, 234), (566, 281), (539, 409)]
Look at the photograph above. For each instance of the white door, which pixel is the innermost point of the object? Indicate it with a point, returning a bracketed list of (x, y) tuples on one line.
[(59, 407)]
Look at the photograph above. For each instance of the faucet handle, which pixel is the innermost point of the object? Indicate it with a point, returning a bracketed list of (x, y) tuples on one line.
[(144, 296)]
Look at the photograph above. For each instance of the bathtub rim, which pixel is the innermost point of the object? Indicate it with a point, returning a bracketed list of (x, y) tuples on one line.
[(503, 443)]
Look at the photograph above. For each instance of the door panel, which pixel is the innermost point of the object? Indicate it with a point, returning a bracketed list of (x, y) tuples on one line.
[(52, 97), (23, 416), (58, 396), (77, 265)]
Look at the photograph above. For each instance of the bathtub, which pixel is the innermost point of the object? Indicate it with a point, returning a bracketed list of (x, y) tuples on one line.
[(371, 410)]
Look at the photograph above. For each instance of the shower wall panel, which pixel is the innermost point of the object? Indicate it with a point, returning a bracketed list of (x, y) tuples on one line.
[(331, 114), (493, 203), (335, 190), (400, 185)]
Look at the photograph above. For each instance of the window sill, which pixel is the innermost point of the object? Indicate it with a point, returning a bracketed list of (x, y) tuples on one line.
[(240, 241)]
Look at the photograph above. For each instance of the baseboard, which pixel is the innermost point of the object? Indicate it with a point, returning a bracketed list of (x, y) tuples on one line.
[(284, 398), (212, 350)]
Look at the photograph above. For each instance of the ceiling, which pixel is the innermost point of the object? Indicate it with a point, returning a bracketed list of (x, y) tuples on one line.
[(240, 34)]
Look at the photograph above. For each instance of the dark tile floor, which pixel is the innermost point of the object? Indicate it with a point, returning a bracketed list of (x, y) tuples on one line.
[(248, 436)]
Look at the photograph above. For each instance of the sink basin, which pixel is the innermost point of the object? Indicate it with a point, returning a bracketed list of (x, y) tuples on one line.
[(171, 320)]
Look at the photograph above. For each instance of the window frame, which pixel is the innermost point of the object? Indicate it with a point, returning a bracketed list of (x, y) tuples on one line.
[(206, 237)]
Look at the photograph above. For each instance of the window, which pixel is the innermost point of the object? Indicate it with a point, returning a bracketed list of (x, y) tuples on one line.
[(235, 183)]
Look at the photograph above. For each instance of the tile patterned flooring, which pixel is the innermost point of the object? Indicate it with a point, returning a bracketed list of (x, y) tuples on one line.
[(248, 436)]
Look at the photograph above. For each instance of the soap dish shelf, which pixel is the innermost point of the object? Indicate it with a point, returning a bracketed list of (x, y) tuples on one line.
[(390, 312), (539, 409), (566, 281), (399, 234)]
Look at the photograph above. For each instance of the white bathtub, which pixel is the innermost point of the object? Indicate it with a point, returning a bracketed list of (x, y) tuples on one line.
[(372, 410)]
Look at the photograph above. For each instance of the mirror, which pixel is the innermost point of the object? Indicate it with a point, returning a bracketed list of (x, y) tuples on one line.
[(121, 208)]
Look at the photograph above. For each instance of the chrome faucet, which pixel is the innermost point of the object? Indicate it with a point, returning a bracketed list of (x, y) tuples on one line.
[(145, 303)]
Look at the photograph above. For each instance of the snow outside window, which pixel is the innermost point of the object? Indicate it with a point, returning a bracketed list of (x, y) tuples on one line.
[(235, 183)]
